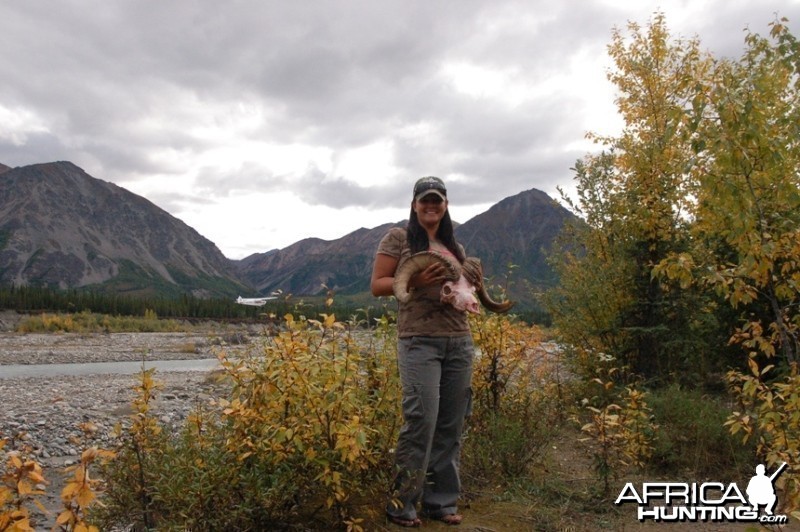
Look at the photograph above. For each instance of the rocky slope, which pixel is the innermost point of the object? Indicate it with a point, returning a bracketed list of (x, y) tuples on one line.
[(343, 265), (63, 228), (518, 230)]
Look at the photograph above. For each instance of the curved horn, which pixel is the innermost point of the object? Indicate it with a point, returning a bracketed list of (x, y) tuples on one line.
[(492, 305), (473, 269), (416, 263)]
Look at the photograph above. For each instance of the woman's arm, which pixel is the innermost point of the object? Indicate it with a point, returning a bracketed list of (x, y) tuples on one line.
[(383, 275)]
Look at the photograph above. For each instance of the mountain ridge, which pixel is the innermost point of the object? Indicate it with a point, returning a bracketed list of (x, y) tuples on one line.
[(518, 231), (61, 227)]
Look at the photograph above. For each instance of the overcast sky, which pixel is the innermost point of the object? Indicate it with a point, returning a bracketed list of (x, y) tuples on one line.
[(260, 123)]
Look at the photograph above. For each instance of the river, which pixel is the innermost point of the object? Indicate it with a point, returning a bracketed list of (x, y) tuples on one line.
[(100, 368)]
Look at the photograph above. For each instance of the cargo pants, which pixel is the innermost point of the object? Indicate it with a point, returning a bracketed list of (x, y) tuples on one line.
[(435, 374)]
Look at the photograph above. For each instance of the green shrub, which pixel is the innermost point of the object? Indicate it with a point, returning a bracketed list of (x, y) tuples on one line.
[(693, 438), (622, 433)]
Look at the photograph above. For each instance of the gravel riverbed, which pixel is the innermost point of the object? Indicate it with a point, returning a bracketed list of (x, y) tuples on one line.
[(56, 417)]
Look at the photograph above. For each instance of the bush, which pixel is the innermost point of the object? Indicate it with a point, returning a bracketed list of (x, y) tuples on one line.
[(304, 432), (768, 418), (87, 322), (693, 437), (517, 398), (19, 477), (622, 433), (303, 436)]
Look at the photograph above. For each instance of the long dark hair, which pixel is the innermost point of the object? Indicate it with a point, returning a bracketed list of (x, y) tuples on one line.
[(418, 237)]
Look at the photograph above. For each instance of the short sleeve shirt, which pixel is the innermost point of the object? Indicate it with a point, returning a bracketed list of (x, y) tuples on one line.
[(424, 314)]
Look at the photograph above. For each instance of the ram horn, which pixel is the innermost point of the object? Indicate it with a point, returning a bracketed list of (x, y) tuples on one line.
[(416, 263), (473, 271)]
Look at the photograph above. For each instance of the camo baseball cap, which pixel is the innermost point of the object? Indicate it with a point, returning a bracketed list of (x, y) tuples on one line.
[(429, 185)]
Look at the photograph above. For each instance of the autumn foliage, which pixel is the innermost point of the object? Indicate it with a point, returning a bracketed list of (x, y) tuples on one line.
[(22, 480), (685, 269), (302, 433)]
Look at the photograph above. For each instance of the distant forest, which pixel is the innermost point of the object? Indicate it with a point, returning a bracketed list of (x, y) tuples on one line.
[(34, 300), (31, 299)]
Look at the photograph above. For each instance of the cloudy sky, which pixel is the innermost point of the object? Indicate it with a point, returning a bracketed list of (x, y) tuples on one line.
[(260, 123)]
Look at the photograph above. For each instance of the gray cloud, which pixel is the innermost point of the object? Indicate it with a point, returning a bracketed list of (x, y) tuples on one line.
[(113, 85)]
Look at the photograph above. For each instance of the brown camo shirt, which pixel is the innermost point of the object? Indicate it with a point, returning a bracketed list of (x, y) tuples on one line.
[(424, 314)]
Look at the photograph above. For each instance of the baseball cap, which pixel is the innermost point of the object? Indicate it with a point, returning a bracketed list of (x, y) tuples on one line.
[(429, 185)]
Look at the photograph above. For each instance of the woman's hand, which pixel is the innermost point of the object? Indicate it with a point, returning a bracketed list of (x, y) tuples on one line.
[(435, 273)]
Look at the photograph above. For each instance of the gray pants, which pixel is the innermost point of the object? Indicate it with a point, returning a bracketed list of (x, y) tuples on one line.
[(436, 374)]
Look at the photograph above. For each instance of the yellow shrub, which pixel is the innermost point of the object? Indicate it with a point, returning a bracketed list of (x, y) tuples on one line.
[(19, 487), (769, 412)]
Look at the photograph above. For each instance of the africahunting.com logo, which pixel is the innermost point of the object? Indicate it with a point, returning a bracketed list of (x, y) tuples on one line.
[(671, 502)]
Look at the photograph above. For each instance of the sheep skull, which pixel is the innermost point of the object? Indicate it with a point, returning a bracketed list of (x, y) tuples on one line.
[(457, 289)]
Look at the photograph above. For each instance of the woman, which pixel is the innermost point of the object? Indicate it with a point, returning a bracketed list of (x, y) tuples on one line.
[(434, 354)]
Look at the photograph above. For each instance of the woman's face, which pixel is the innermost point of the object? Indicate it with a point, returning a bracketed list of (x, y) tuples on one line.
[(430, 210)]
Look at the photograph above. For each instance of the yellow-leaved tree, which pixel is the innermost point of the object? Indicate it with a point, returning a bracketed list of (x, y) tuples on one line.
[(633, 203), (690, 246), (746, 181)]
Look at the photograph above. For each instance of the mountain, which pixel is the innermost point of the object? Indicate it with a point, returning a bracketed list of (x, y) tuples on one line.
[(63, 228), (519, 230), (344, 264)]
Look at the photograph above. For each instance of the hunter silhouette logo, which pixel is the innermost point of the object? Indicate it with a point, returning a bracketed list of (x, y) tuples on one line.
[(761, 489), (670, 502)]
